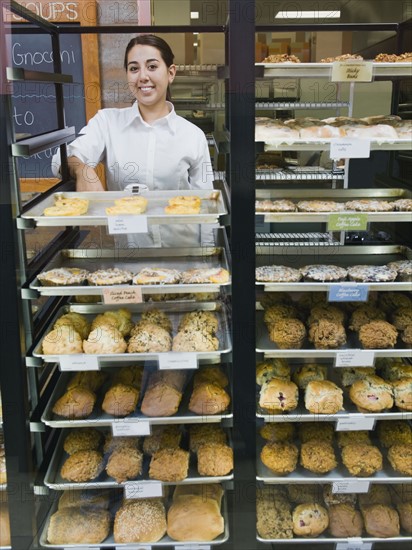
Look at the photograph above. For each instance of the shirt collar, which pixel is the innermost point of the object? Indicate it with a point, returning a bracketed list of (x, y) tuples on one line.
[(170, 120)]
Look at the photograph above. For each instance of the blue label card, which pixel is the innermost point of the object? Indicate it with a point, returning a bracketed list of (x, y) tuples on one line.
[(348, 293)]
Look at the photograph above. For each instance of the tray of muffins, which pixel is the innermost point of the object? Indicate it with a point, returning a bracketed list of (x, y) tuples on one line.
[(171, 454), (313, 327), (140, 393), (178, 336), (303, 390), (374, 267), (158, 207), (154, 271), (102, 519), (317, 205), (302, 454), (305, 513)]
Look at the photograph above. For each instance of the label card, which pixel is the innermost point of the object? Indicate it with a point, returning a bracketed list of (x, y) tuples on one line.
[(78, 362), (175, 360), (134, 547), (348, 292), (350, 486), (131, 427), (353, 424), (352, 71), (350, 148), (354, 544), (347, 222), (122, 295), (143, 489), (354, 358), (193, 547), (128, 223)]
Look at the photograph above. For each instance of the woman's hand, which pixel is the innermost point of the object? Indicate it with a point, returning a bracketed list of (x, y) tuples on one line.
[(85, 176)]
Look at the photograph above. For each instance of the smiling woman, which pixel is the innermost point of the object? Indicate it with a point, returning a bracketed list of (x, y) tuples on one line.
[(147, 143)]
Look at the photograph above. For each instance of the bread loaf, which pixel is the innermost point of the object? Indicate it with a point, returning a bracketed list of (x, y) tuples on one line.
[(140, 520), (78, 526), (194, 518)]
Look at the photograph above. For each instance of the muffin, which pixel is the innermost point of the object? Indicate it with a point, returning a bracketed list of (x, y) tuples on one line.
[(280, 458), (402, 392), (214, 459), (155, 316), (277, 312), (199, 320), (309, 520), (349, 375), (323, 397), (277, 432), (288, 333), (326, 312), (400, 457), (364, 314), (362, 460), (326, 334), (389, 301), (378, 334), (372, 394), (394, 431), (318, 457), (348, 438), (278, 396)]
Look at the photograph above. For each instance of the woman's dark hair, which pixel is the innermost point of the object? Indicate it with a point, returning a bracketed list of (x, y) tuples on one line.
[(156, 42)]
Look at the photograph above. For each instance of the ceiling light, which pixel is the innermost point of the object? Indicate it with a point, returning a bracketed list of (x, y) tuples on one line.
[(308, 14), (194, 15), (194, 43), (195, 33)]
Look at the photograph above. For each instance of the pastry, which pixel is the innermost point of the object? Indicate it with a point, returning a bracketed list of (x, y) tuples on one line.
[(403, 268), (195, 340), (163, 394), (396, 370), (278, 395), (213, 491), (323, 397), (401, 318), (82, 439), (121, 319), (276, 432), (199, 320), (169, 465), (162, 437), (78, 526), (405, 516), (318, 457), (320, 206), (75, 320), (277, 274), (323, 273), (110, 276), (272, 368), (389, 301), (103, 340), (345, 521), (214, 459), (288, 333), (325, 334), (156, 317), (114, 443), (369, 205), (394, 431), (406, 335), (92, 380), (364, 314), (205, 275), (140, 520), (402, 392), (63, 276), (274, 518), (343, 57), (403, 205), (280, 458), (349, 375), (61, 341), (183, 205), (156, 276), (120, 400), (277, 312), (130, 375), (124, 464), (194, 518), (316, 431), (67, 207), (362, 460), (378, 334), (326, 312), (348, 438), (128, 205), (82, 466), (200, 434), (84, 499), (77, 402), (381, 521), (149, 338), (309, 520), (280, 205), (281, 58), (371, 274), (371, 394), (214, 375), (208, 398), (400, 457)]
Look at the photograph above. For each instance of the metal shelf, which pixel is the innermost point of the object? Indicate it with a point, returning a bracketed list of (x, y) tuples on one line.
[(267, 240), (322, 145), (311, 70), (287, 105), (37, 144), (18, 75), (298, 174)]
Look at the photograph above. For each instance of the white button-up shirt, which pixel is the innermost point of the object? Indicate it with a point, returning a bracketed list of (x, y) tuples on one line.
[(171, 153)]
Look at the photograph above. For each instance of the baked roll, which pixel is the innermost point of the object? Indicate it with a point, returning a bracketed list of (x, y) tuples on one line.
[(372, 394), (323, 397), (208, 398), (279, 396)]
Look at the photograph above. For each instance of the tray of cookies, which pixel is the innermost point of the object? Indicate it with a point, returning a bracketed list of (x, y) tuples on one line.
[(139, 393), (102, 519), (159, 207), (300, 454), (171, 454), (318, 205), (312, 514), (386, 267), (155, 271), (178, 336), (307, 391)]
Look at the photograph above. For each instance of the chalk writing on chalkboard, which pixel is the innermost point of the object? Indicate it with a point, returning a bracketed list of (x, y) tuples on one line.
[(34, 103)]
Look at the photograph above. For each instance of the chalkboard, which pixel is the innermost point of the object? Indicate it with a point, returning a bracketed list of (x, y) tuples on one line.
[(34, 103)]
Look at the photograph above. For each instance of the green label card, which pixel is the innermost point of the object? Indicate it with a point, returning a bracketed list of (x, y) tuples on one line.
[(347, 222)]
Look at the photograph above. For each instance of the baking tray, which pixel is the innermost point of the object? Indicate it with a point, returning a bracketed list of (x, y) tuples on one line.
[(53, 479), (100, 418), (110, 543), (283, 144), (212, 208), (270, 349), (134, 260), (334, 540), (173, 311), (337, 195), (340, 473), (343, 256)]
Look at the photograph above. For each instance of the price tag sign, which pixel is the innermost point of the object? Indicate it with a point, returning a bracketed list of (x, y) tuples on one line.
[(350, 148), (78, 362), (174, 360), (130, 427), (354, 544), (143, 489), (128, 223), (352, 71), (354, 358), (348, 293), (353, 424), (340, 487), (122, 295), (347, 222)]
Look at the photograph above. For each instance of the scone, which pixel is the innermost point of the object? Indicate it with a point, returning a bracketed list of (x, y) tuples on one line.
[(279, 396), (350, 375), (309, 372), (119, 319), (288, 333), (381, 521), (149, 338), (61, 341), (104, 340), (157, 317), (76, 320), (195, 340), (214, 459), (348, 438), (82, 439), (400, 457), (345, 521), (272, 368), (362, 460), (318, 457), (323, 397), (199, 320), (82, 466), (316, 431), (169, 465), (280, 458), (214, 375), (371, 394), (309, 520), (140, 520), (402, 392), (120, 400)]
